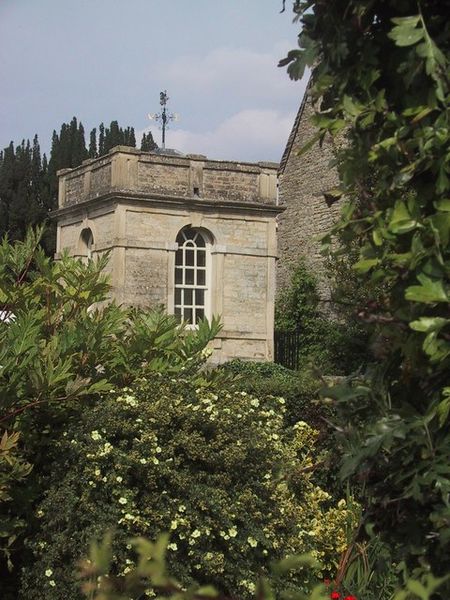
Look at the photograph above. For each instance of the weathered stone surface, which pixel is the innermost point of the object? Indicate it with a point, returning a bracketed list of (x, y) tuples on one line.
[(302, 183), (136, 203)]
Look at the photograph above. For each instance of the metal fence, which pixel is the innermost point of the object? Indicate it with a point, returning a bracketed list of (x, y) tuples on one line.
[(287, 348)]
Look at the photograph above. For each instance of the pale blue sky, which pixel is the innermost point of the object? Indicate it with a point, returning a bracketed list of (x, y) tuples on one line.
[(108, 59)]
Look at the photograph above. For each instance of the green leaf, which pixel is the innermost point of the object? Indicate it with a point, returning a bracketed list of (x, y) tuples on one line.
[(427, 324), (309, 144), (293, 563), (208, 591), (405, 33), (443, 408), (364, 265), (417, 588), (401, 220), (429, 292)]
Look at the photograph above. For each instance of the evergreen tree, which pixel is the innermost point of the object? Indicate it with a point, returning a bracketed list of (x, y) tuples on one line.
[(93, 144), (101, 140), (29, 183), (148, 143)]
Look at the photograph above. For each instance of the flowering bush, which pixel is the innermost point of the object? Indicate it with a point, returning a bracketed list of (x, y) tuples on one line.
[(217, 469)]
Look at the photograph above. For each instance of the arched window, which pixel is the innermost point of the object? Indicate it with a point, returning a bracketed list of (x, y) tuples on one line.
[(192, 289), (87, 242)]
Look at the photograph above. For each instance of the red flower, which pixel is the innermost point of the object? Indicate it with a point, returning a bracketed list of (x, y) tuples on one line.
[(335, 595), (350, 598)]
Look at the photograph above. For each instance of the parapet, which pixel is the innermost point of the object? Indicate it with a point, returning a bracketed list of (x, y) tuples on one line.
[(126, 169)]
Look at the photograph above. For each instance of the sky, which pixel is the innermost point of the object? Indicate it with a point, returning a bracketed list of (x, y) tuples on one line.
[(103, 60)]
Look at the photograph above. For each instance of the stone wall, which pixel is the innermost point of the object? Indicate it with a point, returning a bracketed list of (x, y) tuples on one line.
[(128, 169), (139, 219), (302, 183)]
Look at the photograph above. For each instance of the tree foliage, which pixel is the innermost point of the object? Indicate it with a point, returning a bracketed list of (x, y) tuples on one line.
[(29, 182), (62, 344), (380, 83), (213, 466)]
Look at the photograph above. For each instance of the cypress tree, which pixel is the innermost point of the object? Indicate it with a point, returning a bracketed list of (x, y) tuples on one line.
[(93, 144), (101, 140)]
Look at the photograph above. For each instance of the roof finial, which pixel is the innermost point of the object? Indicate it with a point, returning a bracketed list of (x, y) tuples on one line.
[(163, 118)]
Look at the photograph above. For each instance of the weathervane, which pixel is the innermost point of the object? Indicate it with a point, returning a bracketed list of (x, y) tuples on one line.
[(163, 118)]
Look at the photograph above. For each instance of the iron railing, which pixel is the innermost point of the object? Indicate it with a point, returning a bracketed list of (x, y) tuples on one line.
[(287, 348)]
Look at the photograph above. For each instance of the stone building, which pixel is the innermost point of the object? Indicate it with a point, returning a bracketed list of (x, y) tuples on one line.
[(303, 184), (193, 234)]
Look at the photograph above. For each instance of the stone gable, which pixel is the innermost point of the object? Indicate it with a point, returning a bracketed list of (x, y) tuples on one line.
[(303, 180)]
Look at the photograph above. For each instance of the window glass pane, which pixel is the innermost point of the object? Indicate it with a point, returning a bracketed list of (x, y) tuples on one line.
[(200, 241), (201, 277), (180, 239), (179, 257), (189, 234), (190, 258), (199, 314), (178, 312), (201, 258), (177, 296), (200, 297), (188, 315), (189, 276), (187, 297), (178, 275)]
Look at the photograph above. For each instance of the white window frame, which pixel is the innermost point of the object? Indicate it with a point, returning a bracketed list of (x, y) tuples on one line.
[(189, 244)]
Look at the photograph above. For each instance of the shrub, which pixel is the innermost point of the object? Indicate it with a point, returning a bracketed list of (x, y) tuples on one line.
[(61, 346), (300, 389), (336, 342), (381, 74), (215, 468)]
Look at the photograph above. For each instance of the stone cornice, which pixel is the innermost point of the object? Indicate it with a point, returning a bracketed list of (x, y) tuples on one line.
[(164, 200)]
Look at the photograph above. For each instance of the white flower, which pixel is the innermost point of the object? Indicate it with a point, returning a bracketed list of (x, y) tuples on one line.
[(95, 435), (181, 508), (232, 531), (143, 461), (119, 479), (252, 542), (52, 583), (122, 500), (155, 461), (157, 449), (97, 472), (254, 402), (196, 533), (174, 525), (48, 573), (172, 546)]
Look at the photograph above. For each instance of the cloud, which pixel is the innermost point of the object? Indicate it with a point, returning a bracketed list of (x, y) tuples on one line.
[(233, 78), (233, 103), (250, 135)]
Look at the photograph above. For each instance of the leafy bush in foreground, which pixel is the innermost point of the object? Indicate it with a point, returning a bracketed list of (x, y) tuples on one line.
[(299, 389), (337, 343), (381, 75), (216, 468), (61, 346)]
